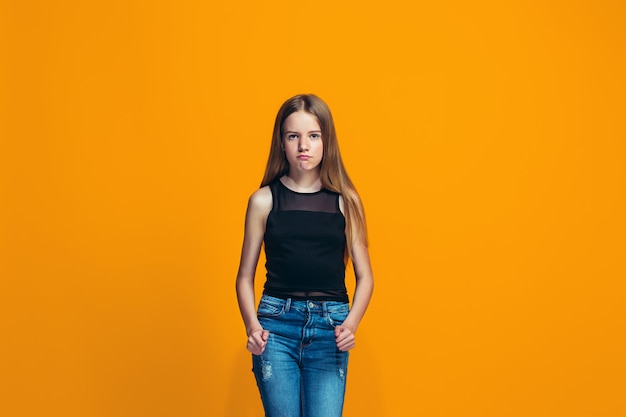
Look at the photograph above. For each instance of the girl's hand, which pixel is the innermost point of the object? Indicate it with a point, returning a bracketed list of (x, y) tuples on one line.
[(257, 341), (344, 337)]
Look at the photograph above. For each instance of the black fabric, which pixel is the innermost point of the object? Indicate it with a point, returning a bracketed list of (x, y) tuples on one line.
[(305, 245)]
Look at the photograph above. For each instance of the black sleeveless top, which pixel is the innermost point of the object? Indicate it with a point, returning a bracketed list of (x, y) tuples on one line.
[(305, 243)]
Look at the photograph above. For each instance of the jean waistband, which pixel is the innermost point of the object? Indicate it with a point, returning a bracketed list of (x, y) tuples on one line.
[(309, 305)]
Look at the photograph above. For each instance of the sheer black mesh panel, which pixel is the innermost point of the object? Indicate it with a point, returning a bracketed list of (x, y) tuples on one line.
[(323, 201)]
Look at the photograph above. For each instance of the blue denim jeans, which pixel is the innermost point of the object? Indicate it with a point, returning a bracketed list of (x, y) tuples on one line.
[(301, 373)]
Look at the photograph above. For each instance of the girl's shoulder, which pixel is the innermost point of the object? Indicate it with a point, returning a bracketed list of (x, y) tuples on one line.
[(261, 199)]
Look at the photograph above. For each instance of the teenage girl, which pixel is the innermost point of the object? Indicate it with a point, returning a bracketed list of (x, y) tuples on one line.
[(310, 219)]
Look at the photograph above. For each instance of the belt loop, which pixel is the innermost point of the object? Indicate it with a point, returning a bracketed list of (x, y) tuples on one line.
[(325, 308), (287, 305)]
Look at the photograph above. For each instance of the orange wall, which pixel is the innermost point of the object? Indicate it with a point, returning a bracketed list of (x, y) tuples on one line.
[(486, 139)]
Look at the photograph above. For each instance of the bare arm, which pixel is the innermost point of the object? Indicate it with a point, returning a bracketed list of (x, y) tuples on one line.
[(363, 293), (364, 285), (259, 206)]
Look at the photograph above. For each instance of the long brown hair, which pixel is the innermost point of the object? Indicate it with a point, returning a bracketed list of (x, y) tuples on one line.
[(332, 173)]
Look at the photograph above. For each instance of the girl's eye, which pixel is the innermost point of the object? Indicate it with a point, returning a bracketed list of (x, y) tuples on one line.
[(292, 137), (315, 136)]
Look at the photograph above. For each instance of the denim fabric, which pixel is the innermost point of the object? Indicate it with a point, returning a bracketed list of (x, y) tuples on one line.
[(301, 373)]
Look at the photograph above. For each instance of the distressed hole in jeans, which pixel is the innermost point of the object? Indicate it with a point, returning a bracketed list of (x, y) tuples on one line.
[(266, 370), (342, 373)]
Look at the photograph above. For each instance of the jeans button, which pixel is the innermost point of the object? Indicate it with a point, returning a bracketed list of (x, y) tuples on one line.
[(311, 304)]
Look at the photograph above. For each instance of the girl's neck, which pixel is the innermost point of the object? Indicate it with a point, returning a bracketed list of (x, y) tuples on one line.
[(303, 182)]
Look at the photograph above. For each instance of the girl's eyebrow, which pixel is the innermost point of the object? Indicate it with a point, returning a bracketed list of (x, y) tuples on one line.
[(310, 131)]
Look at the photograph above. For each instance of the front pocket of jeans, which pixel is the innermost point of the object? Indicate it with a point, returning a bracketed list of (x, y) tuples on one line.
[(336, 318), (269, 309)]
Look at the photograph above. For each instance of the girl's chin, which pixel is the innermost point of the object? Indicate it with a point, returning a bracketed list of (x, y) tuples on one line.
[(307, 167)]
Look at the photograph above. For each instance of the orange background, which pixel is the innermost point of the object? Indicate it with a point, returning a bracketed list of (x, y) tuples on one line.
[(486, 139)]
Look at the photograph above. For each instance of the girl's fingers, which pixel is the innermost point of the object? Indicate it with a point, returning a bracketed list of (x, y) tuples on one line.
[(344, 338), (257, 341)]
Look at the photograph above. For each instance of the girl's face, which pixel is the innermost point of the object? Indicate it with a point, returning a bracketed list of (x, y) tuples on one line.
[(302, 141)]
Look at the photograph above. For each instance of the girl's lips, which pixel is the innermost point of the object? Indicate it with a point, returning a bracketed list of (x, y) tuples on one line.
[(304, 157)]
